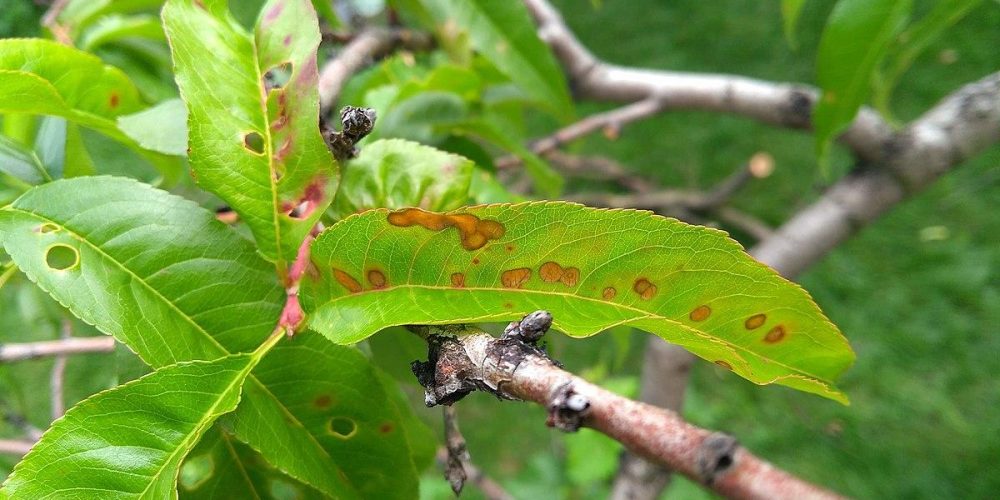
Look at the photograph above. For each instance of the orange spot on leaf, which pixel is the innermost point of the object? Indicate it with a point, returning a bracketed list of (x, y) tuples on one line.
[(700, 313), (755, 321), (113, 100), (385, 428), (775, 335), (514, 278), (473, 231), (458, 280), (644, 288), (571, 276), (323, 401), (347, 281), (550, 272), (609, 293), (376, 278)]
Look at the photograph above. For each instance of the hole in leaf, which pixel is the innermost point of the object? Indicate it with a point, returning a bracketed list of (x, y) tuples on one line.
[(254, 142), (195, 471), (61, 257), (277, 76), (47, 228), (342, 427)]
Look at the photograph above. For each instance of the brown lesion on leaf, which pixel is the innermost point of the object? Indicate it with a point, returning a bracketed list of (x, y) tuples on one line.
[(286, 147), (323, 401), (755, 321), (312, 197), (458, 280), (571, 276), (509, 248), (377, 279), (609, 293), (473, 231), (552, 272), (347, 281), (386, 428), (515, 278), (113, 100), (724, 364), (644, 288), (700, 313), (775, 335)]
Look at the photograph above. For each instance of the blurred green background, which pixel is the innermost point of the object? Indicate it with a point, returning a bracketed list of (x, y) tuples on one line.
[(917, 293)]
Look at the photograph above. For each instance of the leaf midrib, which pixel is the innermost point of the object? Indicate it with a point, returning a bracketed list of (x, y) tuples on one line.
[(294, 420), (202, 424), (644, 313)]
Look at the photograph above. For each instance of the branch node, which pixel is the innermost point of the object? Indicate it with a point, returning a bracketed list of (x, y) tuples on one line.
[(716, 455), (567, 408)]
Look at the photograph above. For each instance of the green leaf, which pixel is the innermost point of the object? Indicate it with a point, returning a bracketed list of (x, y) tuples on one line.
[(913, 41), (548, 182), (21, 163), (129, 442), (856, 37), (790, 12), (50, 145), (222, 467), (395, 173), (160, 128), (258, 148), (43, 77), (154, 270), (333, 393), (506, 35), (325, 10), (593, 269), (81, 14), (116, 27), (173, 283)]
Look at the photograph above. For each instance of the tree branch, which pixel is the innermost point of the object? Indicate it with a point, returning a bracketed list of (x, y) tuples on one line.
[(358, 53), (76, 345), (598, 168), (512, 367), (959, 127), (781, 104)]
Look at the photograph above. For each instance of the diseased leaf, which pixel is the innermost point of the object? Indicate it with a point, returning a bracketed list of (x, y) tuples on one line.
[(173, 283), (42, 77), (395, 173), (855, 39), (506, 35), (255, 142), (593, 269), (129, 442)]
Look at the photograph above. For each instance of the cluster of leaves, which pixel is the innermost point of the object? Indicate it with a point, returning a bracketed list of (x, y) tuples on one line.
[(231, 404), (866, 47)]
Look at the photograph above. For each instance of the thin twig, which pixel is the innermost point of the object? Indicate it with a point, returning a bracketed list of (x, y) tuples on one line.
[(58, 375), (15, 446), (358, 53), (51, 21), (76, 345), (598, 168), (609, 122)]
